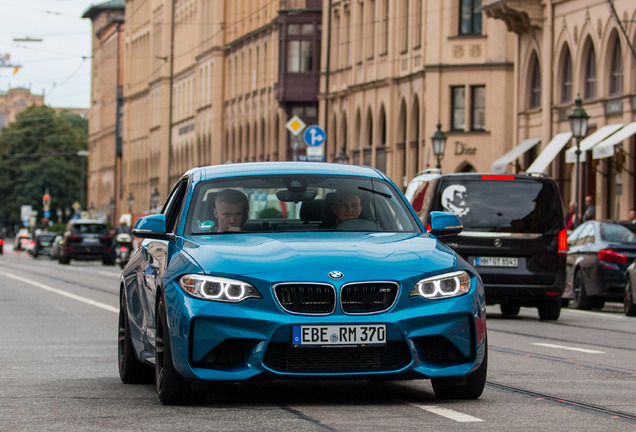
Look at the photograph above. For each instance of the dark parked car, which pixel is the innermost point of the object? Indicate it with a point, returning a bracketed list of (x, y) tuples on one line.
[(514, 234), (43, 243), (599, 253), (629, 299), (86, 240), (296, 270)]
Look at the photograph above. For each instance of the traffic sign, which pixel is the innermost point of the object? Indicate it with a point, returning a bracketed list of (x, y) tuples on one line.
[(314, 136), (295, 125)]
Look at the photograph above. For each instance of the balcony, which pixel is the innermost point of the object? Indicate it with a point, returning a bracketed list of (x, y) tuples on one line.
[(520, 16)]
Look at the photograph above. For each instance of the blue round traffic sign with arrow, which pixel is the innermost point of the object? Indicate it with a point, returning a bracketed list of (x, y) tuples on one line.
[(314, 136)]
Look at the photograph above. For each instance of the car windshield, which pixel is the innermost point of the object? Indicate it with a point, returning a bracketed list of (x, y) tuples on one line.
[(617, 233), (284, 203), (519, 206), (89, 229)]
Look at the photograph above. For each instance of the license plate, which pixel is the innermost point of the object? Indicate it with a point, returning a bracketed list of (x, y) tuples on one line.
[(496, 261), (91, 240), (333, 335)]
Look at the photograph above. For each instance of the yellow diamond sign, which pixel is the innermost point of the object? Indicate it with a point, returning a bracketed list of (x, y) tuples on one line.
[(295, 125)]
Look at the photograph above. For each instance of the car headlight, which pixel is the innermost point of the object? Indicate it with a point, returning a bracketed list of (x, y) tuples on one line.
[(442, 286), (217, 288)]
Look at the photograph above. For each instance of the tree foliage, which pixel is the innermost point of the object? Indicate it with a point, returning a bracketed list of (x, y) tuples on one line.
[(26, 171)]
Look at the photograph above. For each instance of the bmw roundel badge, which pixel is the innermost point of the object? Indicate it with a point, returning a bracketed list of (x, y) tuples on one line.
[(336, 274)]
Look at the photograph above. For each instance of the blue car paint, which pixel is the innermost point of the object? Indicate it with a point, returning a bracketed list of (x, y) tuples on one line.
[(196, 326)]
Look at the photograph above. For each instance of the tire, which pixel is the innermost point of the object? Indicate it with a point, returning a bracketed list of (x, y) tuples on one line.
[(549, 310), (509, 309), (597, 302), (131, 370), (628, 300), (471, 389), (565, 302), (64, 260), (580, 299), (172, 389), (109, 261)]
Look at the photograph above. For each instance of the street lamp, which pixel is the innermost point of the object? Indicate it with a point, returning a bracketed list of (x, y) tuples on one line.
[(439, 144), (131, 201), (578, 123), (342, 156)]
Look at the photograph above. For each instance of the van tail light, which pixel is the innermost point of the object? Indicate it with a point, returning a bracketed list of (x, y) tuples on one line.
[(608, 255), (563, 242)]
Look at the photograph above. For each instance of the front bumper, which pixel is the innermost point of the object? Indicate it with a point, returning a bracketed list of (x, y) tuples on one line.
[(425, 339)]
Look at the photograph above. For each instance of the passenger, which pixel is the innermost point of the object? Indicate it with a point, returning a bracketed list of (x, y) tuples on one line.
[(230, 210), (346, 205)]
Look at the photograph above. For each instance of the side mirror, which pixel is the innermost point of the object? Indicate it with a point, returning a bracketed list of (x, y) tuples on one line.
[(445, 224), (153, 226)]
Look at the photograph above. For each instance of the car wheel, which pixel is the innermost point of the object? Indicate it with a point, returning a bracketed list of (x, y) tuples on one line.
[(131, 371), (509, 309), (64, 259), (171, 387), (109, 261), (472, 388), (580, 298), (549, 310), (597, 302), (628, 300)]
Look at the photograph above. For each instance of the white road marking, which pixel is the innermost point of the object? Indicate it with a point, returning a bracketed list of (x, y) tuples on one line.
[(61, 292), (448, 413), (569, 348)]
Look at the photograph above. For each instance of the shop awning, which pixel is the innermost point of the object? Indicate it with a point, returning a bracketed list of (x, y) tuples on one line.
[(500, 165), (549, 153), (605, 149), (591, 141)]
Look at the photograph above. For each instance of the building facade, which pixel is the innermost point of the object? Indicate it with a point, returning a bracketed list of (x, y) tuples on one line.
[(394, 69), (15, 100), (104, 134), (203, 85), (570, 47)]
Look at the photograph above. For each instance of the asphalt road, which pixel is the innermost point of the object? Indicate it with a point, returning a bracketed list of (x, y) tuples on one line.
[(58, 372)]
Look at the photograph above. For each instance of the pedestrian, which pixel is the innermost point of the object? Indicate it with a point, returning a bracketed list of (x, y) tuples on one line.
[(631, 215), (570, 219), (590, 210)]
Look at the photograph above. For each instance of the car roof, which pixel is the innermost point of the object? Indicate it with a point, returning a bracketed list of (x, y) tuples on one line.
[(265, 168)]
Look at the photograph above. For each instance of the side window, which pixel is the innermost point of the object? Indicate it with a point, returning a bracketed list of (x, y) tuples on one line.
[(587, 235), (174, 205)]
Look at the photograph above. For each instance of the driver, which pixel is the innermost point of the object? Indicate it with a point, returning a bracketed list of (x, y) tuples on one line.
[(230, 210), (346, 205)]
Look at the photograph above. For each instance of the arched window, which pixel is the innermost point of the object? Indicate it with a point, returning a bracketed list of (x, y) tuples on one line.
[(616, 70), (566, 76), (589, 89), (534, 100)]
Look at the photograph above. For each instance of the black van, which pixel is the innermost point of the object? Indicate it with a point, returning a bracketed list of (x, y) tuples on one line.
[(514, 233)]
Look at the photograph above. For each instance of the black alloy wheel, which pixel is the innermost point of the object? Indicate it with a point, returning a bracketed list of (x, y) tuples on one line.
[(171, 387), (628, 300), (580, 298), (131, 371), (472, 388)]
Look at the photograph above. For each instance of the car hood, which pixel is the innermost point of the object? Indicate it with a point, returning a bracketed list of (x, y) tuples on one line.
[(297, 256)]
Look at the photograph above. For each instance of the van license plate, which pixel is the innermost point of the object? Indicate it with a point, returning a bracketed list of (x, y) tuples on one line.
[(496, 262), (333, 335)]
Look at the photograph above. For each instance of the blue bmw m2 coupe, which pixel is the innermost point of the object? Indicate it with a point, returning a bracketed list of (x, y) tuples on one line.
[(297, 270)]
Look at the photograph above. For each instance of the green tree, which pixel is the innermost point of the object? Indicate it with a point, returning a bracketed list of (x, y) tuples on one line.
[(38, 152)]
